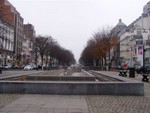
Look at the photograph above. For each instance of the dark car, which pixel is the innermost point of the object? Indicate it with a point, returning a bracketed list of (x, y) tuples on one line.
[(1, 67)]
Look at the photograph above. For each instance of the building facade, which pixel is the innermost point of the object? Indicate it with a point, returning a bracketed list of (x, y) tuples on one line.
[(22, 33), (29, 50), (6, 43), (29, 31), (26, 55), (16, 36), (115, 51), (7, 32), (19, 34), (135, 40)]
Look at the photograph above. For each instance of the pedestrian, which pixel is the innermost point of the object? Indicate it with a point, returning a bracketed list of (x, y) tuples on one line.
[(124, 66)]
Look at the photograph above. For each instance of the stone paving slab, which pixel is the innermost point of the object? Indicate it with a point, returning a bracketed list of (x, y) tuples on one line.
[(69, 104), (6, 99), (118, 104), (47, 104)]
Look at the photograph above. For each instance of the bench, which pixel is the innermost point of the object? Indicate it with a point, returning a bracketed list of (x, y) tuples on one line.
[(123, 73)]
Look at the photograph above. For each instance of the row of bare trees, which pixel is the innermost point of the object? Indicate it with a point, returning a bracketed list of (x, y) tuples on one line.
[(47, 47), (98, 48)]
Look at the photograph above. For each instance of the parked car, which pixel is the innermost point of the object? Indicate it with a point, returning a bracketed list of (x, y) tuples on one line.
[(1, 67), (21, 67), (33, 65), (8, 67), (28, 67), (15, 67)]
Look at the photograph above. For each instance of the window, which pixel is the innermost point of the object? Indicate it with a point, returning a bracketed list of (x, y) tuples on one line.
[(139, 32)]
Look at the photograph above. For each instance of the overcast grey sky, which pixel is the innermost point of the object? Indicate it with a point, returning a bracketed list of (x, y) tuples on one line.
[(72, 22)]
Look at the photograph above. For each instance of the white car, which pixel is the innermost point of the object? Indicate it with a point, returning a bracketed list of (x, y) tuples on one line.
[(28, 67), (8, 67)]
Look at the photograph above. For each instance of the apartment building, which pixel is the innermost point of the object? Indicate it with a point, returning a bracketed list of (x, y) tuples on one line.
[(7, 32), (19, 34), (6, 42), (115, 51), (7, 12), (135, 40), (11, 16), (28, 48), (29, 31)]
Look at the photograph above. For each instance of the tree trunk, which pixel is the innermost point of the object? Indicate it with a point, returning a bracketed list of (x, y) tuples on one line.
[(102, 64), (47, 61), (42, 60), (109, 59), (105, 62), (94, 62), (97, 62)]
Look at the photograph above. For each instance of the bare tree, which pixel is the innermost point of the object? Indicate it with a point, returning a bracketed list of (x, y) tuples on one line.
[(64, 56), (42, 43), (51, 45), (99, 46), (47, 46)]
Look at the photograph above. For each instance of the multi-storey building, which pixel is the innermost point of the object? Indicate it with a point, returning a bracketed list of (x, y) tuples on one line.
[(131, 42), (19, 34), (115, 51), (6, 42), (7, 32), (30, 38), (26, 55), (135, 40), (29, 31), (9, 14)]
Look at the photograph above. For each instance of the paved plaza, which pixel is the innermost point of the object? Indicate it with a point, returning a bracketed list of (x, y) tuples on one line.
[(19, 103), (47, 104)]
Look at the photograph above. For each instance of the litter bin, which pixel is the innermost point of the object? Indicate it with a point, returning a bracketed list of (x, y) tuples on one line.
[(131, 72)]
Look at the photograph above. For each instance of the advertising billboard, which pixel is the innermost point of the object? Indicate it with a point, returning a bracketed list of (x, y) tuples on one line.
[(140, 54)]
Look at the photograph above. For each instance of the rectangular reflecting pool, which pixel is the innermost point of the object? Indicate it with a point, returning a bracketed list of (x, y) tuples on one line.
[(67, 85)]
